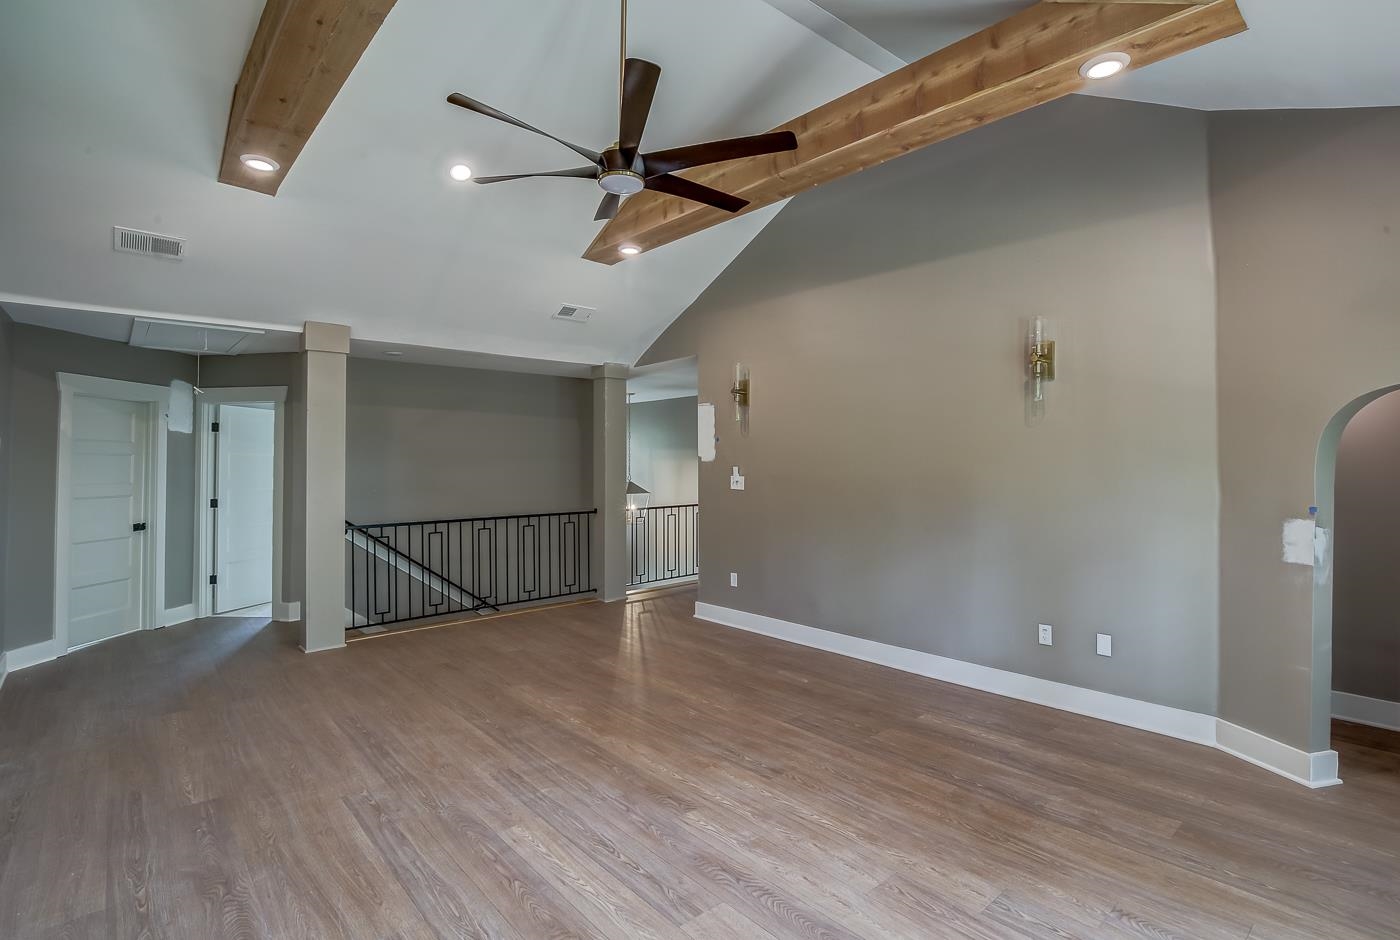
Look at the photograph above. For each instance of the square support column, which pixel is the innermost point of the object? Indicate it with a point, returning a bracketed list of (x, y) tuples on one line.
[(610, 480), (325, 347)]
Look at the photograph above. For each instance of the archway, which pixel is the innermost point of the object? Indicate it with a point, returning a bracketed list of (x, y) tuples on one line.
[(1326, 502)]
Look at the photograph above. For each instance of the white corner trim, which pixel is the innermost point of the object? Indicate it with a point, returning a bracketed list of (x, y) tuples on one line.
[(1376, 712), (33, 655), (286, 611), (174, 615), (1312, 770), (4, 669)]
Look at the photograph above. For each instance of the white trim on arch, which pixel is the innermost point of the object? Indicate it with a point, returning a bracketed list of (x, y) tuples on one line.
[(204, 484), (153, 588)]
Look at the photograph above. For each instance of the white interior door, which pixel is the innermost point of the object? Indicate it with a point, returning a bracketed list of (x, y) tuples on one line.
[(243, 523), (107, 510)]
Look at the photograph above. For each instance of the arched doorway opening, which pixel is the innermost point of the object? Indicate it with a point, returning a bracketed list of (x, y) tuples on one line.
[(1324, 575)]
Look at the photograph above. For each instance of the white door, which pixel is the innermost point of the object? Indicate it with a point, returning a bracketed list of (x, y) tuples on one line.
[(107, 516), (243, 484)]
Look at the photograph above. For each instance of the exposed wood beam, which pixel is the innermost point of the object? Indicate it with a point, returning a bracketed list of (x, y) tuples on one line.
[(302, 53), (1027, 60)]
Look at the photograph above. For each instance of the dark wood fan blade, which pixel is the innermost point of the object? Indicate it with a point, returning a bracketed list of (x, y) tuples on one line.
[(471, 104), (683, 158), (583, 173), (607, 209), (639, 80), (695, 192)]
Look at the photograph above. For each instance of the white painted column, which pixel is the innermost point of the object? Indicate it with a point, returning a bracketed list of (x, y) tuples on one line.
[(610, 480), (325, 347)]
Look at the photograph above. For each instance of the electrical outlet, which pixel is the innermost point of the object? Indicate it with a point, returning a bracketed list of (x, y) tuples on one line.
[(1105, 647), (1047, 635), (733, 579), (736, 480)]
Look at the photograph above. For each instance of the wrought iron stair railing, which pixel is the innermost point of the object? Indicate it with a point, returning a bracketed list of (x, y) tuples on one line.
[(402, 571)]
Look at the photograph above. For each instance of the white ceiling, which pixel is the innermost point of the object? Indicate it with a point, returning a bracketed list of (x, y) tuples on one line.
[(114, 114), (1297, 53)]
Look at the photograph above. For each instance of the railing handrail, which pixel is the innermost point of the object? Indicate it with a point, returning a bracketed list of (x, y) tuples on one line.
[(516, 515), (673, 506)]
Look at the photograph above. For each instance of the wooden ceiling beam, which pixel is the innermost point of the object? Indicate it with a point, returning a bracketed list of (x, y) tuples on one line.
[(1027, 60), (302, 53)]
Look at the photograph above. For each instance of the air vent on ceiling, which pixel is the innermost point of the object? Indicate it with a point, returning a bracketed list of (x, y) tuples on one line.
[(574, 313), (136, 242)]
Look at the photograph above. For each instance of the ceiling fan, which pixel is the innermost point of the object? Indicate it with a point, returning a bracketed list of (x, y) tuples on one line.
[(622, 169)]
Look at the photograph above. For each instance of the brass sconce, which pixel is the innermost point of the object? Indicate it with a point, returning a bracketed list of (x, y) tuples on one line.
[(740, 392), (1040, 357)]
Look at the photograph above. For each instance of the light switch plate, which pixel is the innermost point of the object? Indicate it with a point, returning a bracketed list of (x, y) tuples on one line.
[(736, 480), (1105, 645), (733, 579)]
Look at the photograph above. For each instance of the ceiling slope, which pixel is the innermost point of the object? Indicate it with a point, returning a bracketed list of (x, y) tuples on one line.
[(1028, 59), (115, 113)]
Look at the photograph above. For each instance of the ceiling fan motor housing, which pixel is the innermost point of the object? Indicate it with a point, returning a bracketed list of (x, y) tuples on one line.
[(621, 182)]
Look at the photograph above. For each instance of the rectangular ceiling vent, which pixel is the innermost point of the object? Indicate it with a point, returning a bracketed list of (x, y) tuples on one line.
[(135, 242), (574, 313)]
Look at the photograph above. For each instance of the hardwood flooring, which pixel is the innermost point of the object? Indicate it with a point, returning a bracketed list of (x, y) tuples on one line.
[(621, 771)]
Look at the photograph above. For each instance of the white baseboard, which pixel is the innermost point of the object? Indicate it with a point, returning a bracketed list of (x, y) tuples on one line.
[(286, 611), (1312, 770), (1376, 712), (174, 615), (33, 655)]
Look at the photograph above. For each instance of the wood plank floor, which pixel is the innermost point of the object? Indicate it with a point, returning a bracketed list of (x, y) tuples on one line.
[(621, 771)]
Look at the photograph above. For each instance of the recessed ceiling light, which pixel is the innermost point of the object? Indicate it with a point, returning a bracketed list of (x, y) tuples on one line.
[(1105, 66), (629, 250), (393, 352), (258, 162), (460, 172)]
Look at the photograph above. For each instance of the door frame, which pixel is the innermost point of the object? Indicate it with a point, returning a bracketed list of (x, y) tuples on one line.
[(157, 398), (204, 485)]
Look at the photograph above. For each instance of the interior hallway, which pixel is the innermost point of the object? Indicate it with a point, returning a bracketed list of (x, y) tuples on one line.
[(624, 770)]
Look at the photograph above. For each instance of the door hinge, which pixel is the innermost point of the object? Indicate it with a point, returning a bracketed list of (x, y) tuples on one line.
[(214, 503), (214, 427), (213, 579), (138, 527)]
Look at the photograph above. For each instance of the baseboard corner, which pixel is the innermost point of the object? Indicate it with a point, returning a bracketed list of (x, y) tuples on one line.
[(32, 655), (286, 611)]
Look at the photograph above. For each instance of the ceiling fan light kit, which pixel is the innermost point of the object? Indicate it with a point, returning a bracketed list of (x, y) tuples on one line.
[(622, 169)]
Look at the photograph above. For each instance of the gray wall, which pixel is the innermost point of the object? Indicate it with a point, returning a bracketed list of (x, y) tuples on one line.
[(664, 450), (430, 442), (1366, 580), (1307, 234), (894, 490), (38, 354), (6, 408)]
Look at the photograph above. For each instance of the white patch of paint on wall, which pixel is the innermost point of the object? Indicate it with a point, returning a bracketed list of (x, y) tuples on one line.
[(1298, 541), (706, 429)]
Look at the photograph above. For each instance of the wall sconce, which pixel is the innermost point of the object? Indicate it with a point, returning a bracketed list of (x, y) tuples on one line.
[(740, 392), (1040, 366)]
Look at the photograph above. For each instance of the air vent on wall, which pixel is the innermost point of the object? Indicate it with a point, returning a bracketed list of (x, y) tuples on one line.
[(574, 313), (136, 242)]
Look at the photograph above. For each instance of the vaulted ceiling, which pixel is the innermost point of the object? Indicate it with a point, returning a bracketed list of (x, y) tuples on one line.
[(114, 113)]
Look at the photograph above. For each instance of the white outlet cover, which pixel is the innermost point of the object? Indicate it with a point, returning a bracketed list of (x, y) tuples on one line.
[(1047, 635), (1105, 645)]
